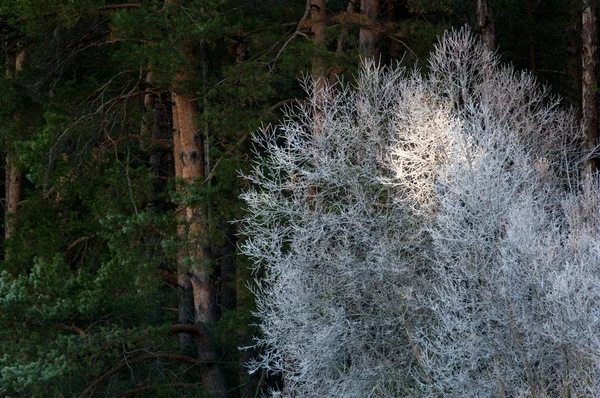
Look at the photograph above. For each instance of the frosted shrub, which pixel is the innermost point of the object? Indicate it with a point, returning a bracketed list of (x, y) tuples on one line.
[(516, 300), (341, 258), (424, 237)]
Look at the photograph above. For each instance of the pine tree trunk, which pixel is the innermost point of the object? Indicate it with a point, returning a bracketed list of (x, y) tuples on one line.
[(368, 36), (194, 260), (186, 301), (589, 100), (14, 176), (485, 24)]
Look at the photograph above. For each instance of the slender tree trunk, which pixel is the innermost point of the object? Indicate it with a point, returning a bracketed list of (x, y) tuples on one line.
[(368, 35), (318, 21), (574, 57), (485, 24), (194, 265), (14, 176), (194, 262), (589, 100), (14, 193), (186, 300)]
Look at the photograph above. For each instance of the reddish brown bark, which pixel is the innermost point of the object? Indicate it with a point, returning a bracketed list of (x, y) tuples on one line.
[(368, 35), (194, 272), (193, 262), (186, 303), (589, 100)]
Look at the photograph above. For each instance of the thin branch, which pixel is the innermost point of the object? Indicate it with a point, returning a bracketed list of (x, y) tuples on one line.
[(144, 358), (187, 329), (297, 32), (73, 329), (78, 241), (120, 6), (140, 390), (287, 101), (105, 85), (229, 152)]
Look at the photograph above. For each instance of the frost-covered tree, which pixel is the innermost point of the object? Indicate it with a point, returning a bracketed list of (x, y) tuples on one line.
[(430, 239), (516, 251), (340, 256)]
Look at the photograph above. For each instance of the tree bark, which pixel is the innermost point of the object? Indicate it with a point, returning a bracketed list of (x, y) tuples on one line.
[(589, 100), (193, 259), (194, 267), (318, 23), (14, 176), (485, 24), (186, 301), (574, 58), (368, 35)]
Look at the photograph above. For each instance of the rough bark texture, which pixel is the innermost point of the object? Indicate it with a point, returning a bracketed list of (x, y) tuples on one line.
[(14, 176), (368, 36), (194, 268), (589, 101), (186, 302), (485, 24)]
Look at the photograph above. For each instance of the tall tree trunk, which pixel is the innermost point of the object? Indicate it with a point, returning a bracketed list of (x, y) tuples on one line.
[(485, 24), (186, 313), (574, 57), (589, 100), (318, 21), (194, 265), (368, 35), (194, 260), (14, 176)]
